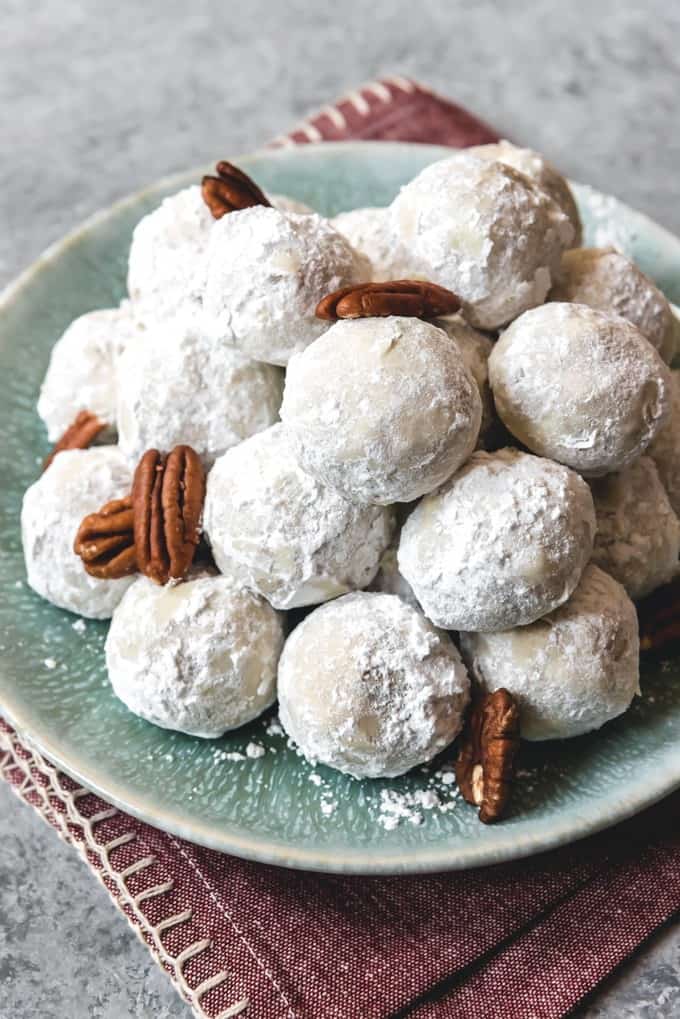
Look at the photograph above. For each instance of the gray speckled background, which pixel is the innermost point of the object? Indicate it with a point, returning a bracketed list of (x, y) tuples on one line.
[(97, 99)]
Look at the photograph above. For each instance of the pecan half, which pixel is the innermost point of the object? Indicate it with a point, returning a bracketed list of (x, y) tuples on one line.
[(486, 758), (412, 298), (167, 500), (79, 435), (659, 617), (105, 541), (230, 190)]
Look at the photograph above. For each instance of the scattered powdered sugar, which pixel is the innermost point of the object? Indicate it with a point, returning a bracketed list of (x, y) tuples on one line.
[(79, 626), (327, 805), (273, 727), (50, 663), (230, 755), (438, 797), (255, 750)]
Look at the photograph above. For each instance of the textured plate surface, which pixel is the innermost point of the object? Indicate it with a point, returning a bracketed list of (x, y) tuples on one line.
[(53, 684)]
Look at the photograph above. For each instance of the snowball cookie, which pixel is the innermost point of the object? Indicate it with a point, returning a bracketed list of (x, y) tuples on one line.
[(665, 448), (199, 657), (82, 371), (284, 203), (369, 232), (571, 671), (281, 533), (383, 409), (475, 349), (605, 279), (638, 534), (504, 541), (484, 231), (77, 482), (179, 387), (166, 251), (537, 168), (579, 386), (368, 686), (265, 273)]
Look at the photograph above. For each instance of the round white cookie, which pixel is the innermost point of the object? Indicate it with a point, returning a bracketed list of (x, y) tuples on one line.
[(541, 171), (180, 387), (638, 533), (368, 686), (502, 543), (199, 657), (475, 348), (78, 482), (265, 273), (82, 371), (605, 279), (664, 449), (383, 409), (579, 386), (281, 533), (486, 232), (571, 671), (164, 268), (369, 232)]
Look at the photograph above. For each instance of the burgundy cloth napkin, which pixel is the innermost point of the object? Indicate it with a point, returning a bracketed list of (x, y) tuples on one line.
[(525, 940)]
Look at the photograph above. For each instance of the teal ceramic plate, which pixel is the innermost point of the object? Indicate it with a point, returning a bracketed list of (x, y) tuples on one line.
[(275, 807)]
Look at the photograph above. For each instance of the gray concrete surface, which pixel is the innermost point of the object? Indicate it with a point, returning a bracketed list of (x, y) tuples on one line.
[(97, 99)]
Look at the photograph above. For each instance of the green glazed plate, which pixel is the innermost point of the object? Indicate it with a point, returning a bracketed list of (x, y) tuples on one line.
[(53, 684)]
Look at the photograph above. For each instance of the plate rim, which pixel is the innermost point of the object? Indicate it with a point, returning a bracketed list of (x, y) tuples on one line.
[(263, 849)]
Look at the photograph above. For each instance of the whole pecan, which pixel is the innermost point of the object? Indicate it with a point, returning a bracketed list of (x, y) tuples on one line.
[(79, 435), (659, 617), (167, 500), (412, 298), (230, 190), (486, 756), (105, 541)]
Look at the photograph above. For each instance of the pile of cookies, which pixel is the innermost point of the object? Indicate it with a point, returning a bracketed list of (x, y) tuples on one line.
[(468, 471)]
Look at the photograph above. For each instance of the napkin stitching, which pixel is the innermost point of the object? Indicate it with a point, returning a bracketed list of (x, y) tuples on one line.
[(192, 995), (28, 789), (221, 905), (355, 99)]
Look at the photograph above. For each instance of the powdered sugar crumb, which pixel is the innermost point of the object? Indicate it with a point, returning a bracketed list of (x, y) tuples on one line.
[(79, 626), (255, 750), (50, 663), (274, 727)]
